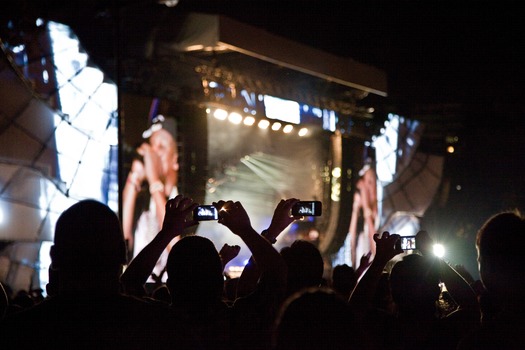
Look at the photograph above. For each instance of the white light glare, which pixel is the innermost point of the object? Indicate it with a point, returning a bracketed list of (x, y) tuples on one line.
[(263, 124), (235, 118), (220, 114), (249, 120), (439, 250), (169, 3), (276, 126), (288, 129), (303, 132)]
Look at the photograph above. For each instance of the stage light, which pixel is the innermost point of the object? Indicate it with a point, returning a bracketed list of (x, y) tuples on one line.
[(194, 47), (450, 149), (303, 132), (264, 124), (249, 120), (276, 126), (220, 114), (235, 118), (439, 250), (288, 129), (169, 3)]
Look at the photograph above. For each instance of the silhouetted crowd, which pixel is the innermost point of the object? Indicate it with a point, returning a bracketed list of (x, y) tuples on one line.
[(280, 301)]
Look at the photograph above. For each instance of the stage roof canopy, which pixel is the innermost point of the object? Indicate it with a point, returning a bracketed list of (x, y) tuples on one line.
[(215, 33)]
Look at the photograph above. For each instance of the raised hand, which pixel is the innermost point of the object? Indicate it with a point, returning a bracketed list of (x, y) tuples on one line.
[(387, 246), (234, 216), (178, 215), (228, 252), (281, 218)]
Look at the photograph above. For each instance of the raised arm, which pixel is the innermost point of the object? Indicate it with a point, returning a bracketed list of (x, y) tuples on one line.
[(228, 252), (177, 219), (280, 221), (153, 170), (387, 247), (364, 263), (269, 261), (460, 289), (129, 197)]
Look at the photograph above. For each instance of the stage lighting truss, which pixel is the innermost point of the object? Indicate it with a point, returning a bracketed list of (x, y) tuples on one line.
[(247, 119)]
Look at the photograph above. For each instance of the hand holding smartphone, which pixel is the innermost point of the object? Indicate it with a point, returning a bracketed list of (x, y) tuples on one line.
[(307, 208), (408, 242), (205, 213)]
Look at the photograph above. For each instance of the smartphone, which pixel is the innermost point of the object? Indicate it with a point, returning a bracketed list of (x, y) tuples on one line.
[(408, 242), (205, 213), (307, 208)]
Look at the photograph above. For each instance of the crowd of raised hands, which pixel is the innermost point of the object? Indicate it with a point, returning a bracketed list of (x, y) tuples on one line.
[(282, 299)]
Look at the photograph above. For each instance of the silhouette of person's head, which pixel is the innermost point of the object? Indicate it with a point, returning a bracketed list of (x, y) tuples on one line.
[(414, 283), (500, 243), (315, 318), (424, 243), (88, 244), (195, 271), (305, 265), (344, 279)]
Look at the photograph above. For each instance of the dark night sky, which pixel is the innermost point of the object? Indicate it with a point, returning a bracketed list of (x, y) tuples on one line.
[(438, 51), (432, 51)]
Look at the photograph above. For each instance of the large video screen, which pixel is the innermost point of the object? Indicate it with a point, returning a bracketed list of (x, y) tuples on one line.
[(58, 144)]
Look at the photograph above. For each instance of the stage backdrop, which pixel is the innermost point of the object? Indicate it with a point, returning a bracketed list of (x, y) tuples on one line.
[(259, 168)]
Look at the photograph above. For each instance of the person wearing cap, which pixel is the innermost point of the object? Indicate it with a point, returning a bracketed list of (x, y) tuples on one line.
[(152, 180)]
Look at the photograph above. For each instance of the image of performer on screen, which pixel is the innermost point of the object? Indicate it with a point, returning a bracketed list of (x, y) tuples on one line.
[(364, 211), (151, 181)]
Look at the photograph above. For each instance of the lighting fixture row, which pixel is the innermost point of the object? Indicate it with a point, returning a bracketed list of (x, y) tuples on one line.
[(237, 118)]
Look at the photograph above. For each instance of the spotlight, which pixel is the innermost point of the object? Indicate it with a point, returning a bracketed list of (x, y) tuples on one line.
[(276, 126), (220, 114), (263, 124), (235, 118), (439, 250), (288, 129), (249, 120), (303, 132), (169, 3)]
